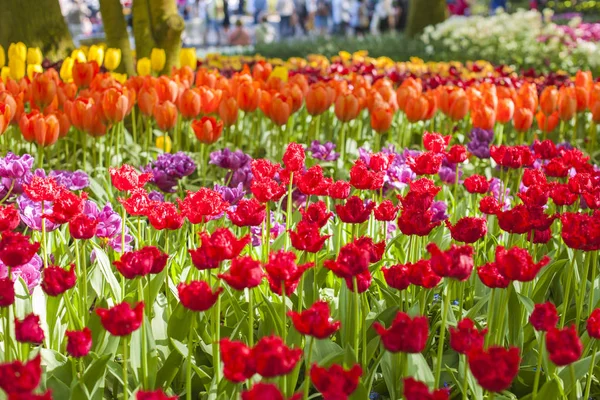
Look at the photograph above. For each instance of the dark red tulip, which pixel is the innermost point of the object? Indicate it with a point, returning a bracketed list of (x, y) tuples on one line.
[(121, 320), (7, 292), (164, 215), (29, 330), (283, 273), (57, 280), (16, 377), (593, 324), (563, 345), (15, 249), (316, 213), (66, 207), (294, 157), (222, 244), (197, 295), (489, 205), (354, 211), (406, 334), (495, 368), (421, 274), (397, 276), (315, 321), (386, 211), (264, 391), (427, 163), (466, 337), (364, 179), (267, 189), (457, 154), (306, 237), (157, 394), (147, 260), (417, 390), (477, 184), (544, 316), (274, 358), (313, 183), (339, 190), (490, 276), (512, 156), (456, 262), (335, 382), (351, 261), (202, 259), (517, 264), (533, 177), (238, 364), (249, 212), (79, 343), (83, 227), (9, 218), (363, 282), (244, 272), (468, 229)]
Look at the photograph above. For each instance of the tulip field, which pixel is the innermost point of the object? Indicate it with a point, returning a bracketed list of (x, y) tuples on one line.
[(344, 228)]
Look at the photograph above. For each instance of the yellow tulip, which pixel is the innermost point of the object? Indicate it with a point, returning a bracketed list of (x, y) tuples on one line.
[(96, 53), (34, 56), (78, 55), (112, 59), (158, 57), (17, 68), (164, 143), (66, 69), (5, 73), (33, 69), (281, 73), (144, 66), (2, 57), (121, 78), (17, 51), (188, 57)]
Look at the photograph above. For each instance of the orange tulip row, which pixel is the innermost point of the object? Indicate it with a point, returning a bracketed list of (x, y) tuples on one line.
[(95, 101)]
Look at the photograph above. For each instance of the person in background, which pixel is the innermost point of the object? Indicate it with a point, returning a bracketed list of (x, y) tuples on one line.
[(285, 8), (216, 16), (239, 35), (259, 6), (401, 13), (383, 17), (496, 4), (264, 32), (322, 16), (359, 17), (458, 7), (301, 14), (226, 20)]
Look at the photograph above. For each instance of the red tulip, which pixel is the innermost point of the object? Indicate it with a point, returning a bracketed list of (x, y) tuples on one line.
[(16, 377), (416, 390), (79, 343), (465, 337), (494, 368), (273, 358), (315, 321), (197, 295), (238, 363), (9, 218), (283, 273), (121, 320), (249, 212), (244, 272), (544, 317), (405, 334), (29, 330), (57, 280), (15, 249), (335, 382), (207, 129)]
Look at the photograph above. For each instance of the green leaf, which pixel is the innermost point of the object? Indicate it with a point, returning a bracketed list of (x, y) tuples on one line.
[(169, 369), (94, 375), (105, 267)]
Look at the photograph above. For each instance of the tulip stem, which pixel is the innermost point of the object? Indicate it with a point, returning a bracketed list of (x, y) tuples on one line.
[(567, 292), (594, 270), (588, 384), (356, 316), (538, 369), (288, 213), (583, 284), (438, 366), (250, 318), (465, 388), (284, 329), (143, 337), (307, 368), (7, 336), (573, 381), (125, 380), (188, 371)]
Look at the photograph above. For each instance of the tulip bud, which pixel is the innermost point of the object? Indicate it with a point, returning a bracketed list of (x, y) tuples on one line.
[(144, 66), (5, 73), (78, 55), (158, 59), (17, 68), (17, 51), (281, 73), (96, 53), (121, 78), (207, 129), (33, 69), (187, 57), (164, 143), (112, 59), (34, 55), (66, 69), (2, 57)]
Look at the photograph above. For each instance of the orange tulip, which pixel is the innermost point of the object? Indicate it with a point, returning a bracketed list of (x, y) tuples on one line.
[(115, 105), (454, 103), (506, 109), (4, 117), (26, 125), (413, 83), (66, 91), (210, 99), (431, 104), (382, 117), (147, 100), (9, 100), (347, 107), (207, 129), (595, 110), (167, 89), (228, 110), (318, 98), (184, 75), (582, 97), (547, 123), (264, 103), (165, 115), (261, 71), (483, 117), (46, 129), (280, 109), (549, 100), (416, 109), (206, 78), (523, 119), (93, 121), (84, 72), (63, 123), (78, 111), (43, 90), (584, 79), (293, 92), (405, 95), (527, 97), (247, 97), (190, 103), (567, 103), (301, 81)]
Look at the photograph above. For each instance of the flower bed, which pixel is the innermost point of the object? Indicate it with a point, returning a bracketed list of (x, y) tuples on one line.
[(299, 232)]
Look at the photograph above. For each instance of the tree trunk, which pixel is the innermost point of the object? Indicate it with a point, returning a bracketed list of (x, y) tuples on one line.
[(117, 37), (422, 13), (37, 23), (157, 23)]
